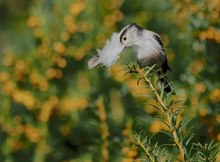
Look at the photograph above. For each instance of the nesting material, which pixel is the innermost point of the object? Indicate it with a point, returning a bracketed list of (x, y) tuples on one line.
[(109, 54)]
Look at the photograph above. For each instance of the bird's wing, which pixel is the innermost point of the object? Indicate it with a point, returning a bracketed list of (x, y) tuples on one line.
[(165, 65), (157, 38), (109, 54)]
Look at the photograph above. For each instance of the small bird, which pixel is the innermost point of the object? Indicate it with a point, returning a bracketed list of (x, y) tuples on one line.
[(148, 48)]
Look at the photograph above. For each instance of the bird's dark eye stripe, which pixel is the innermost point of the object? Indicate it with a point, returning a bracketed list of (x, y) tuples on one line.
[(122, 34)]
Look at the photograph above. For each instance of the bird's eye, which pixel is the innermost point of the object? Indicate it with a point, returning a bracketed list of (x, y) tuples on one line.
[(125, 38)]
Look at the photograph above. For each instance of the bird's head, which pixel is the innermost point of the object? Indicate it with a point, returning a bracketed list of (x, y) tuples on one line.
[(129, 34)]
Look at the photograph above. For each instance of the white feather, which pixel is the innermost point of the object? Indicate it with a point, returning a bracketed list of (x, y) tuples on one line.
[(109, 54)]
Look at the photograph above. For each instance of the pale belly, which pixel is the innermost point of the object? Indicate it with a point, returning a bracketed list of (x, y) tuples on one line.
[(150, 57)]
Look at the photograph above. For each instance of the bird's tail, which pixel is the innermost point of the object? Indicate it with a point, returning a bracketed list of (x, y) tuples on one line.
[(167, 86)]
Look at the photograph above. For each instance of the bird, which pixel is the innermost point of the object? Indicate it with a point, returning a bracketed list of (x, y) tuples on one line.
[(147, 46), (148, 49)]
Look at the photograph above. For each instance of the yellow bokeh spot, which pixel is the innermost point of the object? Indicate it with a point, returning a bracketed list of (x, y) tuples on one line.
[(38, 32), (59, 74), (4, 76), (127, 159), (136, 89), (156, 126), (43, 85), (210, 33), (166, 40), (79, 54), (200, 87), (34, 77), (70, 24), (33, 21), (218, 118), (15, 145), (109, 21), (61, 62), (194, 100), (118, 73), (38, 80), (43, 49), (202, 35), (51, 73), (101, 109), (117, 109), (203, 112), (193, 8), (25, 98), (125, 132), (197, 66), (71, 27), (59, 47), (77, 7), (55, 57), (8, 60), (32, 133), (215, 95), (20, 66), (150, 109), (132, 153), (170, 55), (218, 137), (54, 73), (83, 82), (67, 105), (9, 87), (47, 107), (117, 15)]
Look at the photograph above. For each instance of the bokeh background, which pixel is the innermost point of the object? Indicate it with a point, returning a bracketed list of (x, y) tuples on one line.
[(53, 108)]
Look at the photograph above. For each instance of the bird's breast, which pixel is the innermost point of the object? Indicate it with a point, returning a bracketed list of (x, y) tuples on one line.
[(148, 49), (150, 53)]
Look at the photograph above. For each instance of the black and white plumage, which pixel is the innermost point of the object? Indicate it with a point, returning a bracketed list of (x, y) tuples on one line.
[(147, 45)]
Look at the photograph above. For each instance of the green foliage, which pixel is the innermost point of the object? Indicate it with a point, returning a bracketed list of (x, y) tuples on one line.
[(153, 152), (207, 152), (169, 113)]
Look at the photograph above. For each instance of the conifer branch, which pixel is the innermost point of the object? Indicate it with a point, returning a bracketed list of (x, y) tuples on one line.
[(169, 114)]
